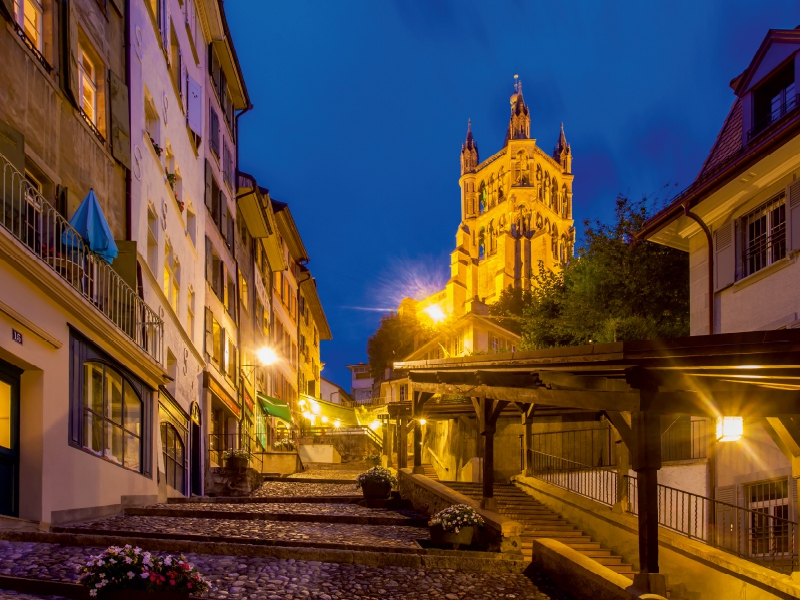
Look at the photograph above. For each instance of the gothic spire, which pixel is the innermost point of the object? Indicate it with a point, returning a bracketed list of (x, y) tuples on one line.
[(519, 126), (469, 151), (563, 152)]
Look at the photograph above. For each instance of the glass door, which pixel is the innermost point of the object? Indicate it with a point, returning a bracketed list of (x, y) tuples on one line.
[(9, 441)]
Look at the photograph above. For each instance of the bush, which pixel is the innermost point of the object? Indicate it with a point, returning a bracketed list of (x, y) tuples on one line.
[(376, 475), (453, 518), (130, 568), (235, 453)]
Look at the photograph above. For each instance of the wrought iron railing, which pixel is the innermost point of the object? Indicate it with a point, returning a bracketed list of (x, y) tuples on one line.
[(685, 440), (29, 218), (790, 103), (354, 430), (757, 535), (32, 47), (256, 453), (592, 447), (597, 483)]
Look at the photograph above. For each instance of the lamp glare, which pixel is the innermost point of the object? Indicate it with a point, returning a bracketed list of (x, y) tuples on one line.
[(730, 429), (266, 356), (435, 312), (375, 425), (422, 421)]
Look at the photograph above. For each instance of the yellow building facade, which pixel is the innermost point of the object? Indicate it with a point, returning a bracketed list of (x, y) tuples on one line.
[(516, 213)]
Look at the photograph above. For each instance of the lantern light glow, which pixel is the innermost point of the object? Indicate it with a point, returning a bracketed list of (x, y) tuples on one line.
[(730, 429), (435, 312)]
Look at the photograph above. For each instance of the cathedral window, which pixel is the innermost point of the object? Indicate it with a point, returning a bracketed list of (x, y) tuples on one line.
[(481, 244), (554, 195), (482, 198), (564, 206)]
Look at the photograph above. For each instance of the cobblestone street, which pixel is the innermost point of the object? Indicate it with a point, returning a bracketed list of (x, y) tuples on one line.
[(266, 577)]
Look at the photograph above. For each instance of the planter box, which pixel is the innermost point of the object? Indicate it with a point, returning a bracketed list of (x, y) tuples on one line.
[(440, 537), (376, 490), (237, 462)]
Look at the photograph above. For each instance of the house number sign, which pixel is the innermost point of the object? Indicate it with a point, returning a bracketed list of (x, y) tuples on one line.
[(16, 336)]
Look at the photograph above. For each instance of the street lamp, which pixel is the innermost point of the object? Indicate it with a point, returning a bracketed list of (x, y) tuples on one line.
[(266, 356), (730, 429)]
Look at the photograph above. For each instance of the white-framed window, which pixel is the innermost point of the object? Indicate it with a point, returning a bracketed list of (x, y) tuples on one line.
[(87, 85), (172, 286), (152, 240), (28, 15), (190, 313), (763, 235)]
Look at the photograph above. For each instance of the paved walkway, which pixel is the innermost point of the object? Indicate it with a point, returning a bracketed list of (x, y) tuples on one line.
[(273, 579), (268, 578)]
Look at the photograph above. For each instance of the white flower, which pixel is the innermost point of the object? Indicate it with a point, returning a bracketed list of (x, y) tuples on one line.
[(145, 575), (129, 560), (130, 574), (93, 593), (168, 561)]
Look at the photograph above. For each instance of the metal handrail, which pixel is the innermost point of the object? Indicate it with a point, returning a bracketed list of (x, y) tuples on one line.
[(28, 217), (752, 534), (438, 460), (354, 430), (596, 483)]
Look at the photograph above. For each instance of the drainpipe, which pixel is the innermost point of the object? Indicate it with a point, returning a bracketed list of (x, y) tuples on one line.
[(687, 212), (126, 21)]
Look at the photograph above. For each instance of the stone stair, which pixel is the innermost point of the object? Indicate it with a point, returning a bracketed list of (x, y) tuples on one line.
[(541, 522), (430, 471)]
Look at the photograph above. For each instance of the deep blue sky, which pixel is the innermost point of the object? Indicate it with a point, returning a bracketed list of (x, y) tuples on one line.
[(361, 109)]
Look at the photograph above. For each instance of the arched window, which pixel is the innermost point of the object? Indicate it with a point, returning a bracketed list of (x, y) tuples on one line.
[(554, 195), (554, 241), (482, 198), (564, 204), (112, 416), (481, 244), (174, 457)]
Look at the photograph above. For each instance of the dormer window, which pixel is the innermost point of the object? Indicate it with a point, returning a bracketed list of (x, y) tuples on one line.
[(773, 99)]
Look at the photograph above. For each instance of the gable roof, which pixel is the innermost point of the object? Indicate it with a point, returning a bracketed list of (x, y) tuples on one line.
[(742, 83)]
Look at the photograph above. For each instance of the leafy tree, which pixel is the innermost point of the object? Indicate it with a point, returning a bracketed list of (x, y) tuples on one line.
[(510, 307), (398, 335), (617, 288)]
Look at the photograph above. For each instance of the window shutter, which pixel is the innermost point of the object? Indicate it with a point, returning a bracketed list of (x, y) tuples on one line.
[(223, 91), (793, 217), (214, 125), (724, 257), (231, 231), (209, 261), (223, 227), (120, 120), (209, 337), (209, 185), (7, 9), (120, 6), (72, 40), (195, 108)]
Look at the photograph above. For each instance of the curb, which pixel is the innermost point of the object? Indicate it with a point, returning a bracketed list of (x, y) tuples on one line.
[(463, 561), (285, 517), (266, 500)]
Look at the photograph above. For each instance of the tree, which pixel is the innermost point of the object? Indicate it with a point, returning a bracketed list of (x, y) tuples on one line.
[(398, 335), (617, 288), (510, 307)]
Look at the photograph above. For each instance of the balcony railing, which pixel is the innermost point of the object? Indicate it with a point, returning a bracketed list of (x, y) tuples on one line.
[(256, 453), (593, 447), (685, 440), (758, 535), (789, 104), (597, 483), (28, 217)]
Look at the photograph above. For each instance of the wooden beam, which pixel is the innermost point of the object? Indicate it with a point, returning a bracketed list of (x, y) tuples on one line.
[(622, 427), (590, 400), (668, 421), (498, 407)]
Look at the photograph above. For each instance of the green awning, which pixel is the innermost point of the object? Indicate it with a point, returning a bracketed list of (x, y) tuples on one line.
[(275, 408)]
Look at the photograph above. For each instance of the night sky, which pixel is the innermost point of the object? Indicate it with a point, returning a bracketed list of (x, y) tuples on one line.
[(361, 109)]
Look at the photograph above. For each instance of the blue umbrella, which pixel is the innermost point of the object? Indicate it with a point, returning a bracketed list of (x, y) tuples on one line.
[(90, 222)]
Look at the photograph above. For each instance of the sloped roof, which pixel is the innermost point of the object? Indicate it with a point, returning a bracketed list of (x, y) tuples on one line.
[(727, 144)]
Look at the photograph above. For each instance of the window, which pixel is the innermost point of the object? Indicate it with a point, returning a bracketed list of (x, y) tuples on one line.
[(773, 99), (112, 416), (230, 298), (174, 456), (190, 314), (769, 525), (214, 336), (191, 225), (87, 85), (171, 277), (242, 290), (213, 119), (28, 15), (152, 240), (152, 123), (764, 235)]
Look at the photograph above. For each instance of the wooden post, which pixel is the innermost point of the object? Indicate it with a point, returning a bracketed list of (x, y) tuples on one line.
[(402, 442), (488, 500), (488, 411), (646, 451), (418, 448)]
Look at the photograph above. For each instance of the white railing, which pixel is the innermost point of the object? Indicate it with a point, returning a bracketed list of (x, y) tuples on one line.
[(27, 216)]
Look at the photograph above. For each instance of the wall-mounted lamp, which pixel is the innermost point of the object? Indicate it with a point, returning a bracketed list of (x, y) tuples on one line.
[(730, 429), (422, 421)]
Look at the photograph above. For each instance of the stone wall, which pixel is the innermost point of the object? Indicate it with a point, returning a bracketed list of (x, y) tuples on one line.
[(350, 447), (222, 481)]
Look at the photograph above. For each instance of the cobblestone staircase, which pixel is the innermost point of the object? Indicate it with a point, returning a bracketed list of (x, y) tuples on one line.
[(430, 471), (541, 522)]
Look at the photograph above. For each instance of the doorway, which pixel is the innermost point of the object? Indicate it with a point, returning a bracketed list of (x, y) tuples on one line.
[(9, 440), (197, 451)]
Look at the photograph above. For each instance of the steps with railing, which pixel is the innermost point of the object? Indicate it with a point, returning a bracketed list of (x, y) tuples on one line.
[(541, 522)]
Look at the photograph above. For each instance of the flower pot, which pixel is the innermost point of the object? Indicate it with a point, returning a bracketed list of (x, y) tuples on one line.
[(440, 537), (237, 462), (375, 489)]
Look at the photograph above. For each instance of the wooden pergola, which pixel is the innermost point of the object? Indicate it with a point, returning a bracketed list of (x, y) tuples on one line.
[(751, 374)]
